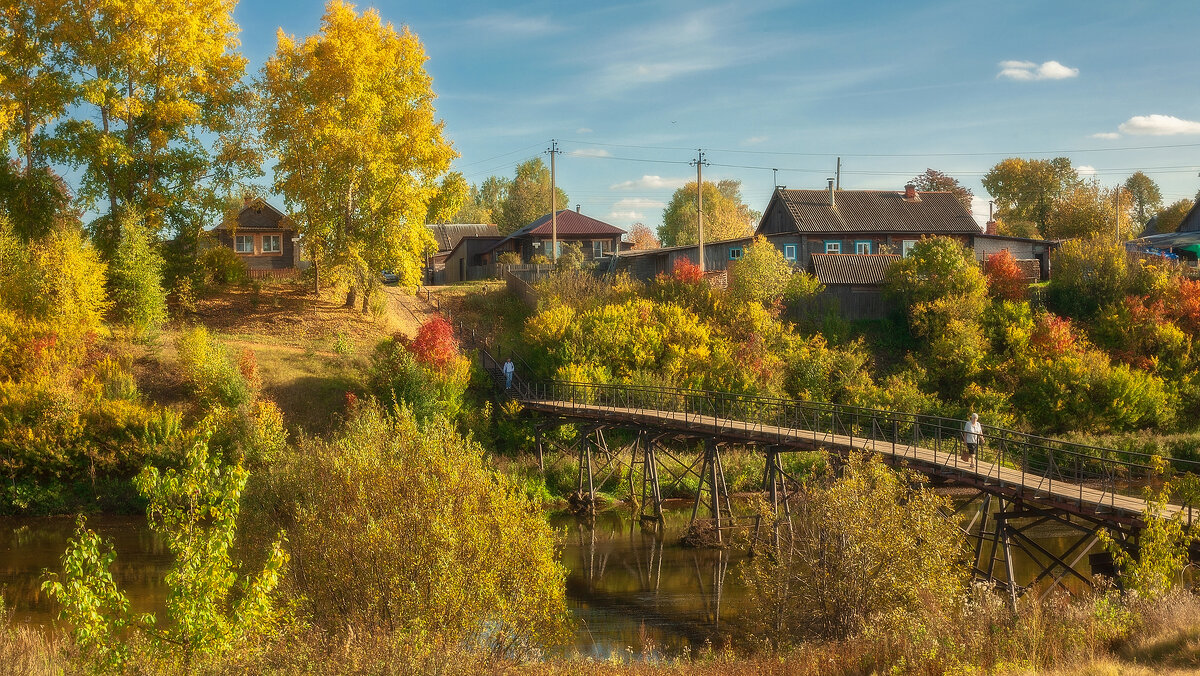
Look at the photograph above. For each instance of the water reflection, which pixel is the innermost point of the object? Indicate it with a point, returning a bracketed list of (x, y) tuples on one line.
[(631, 590)]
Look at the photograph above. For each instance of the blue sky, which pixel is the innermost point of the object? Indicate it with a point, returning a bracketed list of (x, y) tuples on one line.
[(631, 90)]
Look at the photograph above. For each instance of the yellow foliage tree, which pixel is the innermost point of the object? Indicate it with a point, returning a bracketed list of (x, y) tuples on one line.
[(726, 216), (158, 99), (349, 118)]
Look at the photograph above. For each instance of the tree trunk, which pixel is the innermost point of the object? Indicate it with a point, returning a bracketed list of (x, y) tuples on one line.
[(366, 306), (352, 297)]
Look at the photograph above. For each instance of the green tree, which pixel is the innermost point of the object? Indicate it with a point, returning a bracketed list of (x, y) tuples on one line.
[(1147, 198), (211, 608), (1025, 190), (36, 201), (1087, 210), (869, 547), (526, 196), (1170, 217), (726, 216), (349, 117), (1089, 274), (764, 276), (935, 181), (483, 202), (1163, 545), (135, 277)]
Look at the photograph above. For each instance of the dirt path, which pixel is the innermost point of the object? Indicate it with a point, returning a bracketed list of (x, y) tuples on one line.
[(409, 312)]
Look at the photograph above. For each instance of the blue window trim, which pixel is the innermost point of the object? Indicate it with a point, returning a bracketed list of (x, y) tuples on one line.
[(838, 242), (862, 241), (789, 252), (735, 249)]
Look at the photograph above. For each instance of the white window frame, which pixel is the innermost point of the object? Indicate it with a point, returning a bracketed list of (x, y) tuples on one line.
[(278, 241), (862, 247), (906, 246), (597, 248), (789, 252), (833, 247), (239, 242)]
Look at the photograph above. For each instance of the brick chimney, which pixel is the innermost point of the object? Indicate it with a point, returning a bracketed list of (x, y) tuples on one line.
[(832, 201), (910, 191), (990, 228)]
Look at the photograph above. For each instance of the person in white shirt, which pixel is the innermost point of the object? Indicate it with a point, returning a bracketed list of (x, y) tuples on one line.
[(508, 370), (972, 435)]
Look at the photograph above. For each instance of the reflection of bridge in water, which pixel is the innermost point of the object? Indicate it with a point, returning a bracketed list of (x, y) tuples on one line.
[(1023, 482), (625, 571)]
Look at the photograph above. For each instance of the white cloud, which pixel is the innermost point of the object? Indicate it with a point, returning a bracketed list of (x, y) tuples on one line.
[(589, 152), (754, 140), (979, 211), (626, 215), (583, 130), (1106, 135), (514, 24), (1158, 125), (638, 203), (650, 182), (1028, 70), (1085, 170)]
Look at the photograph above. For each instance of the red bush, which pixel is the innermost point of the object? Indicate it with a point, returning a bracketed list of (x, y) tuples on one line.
[(1186, 305), (687, 271), (1053, 334), (248, 365), (435, 344), (1004, 278)]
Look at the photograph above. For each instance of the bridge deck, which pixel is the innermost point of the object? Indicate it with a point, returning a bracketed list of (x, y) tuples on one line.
[(1088, 501)]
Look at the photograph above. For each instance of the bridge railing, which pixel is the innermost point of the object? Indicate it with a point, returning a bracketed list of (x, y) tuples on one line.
[(1098, 476)]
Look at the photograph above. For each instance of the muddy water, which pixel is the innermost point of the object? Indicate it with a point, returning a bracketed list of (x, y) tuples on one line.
[(630, 590)]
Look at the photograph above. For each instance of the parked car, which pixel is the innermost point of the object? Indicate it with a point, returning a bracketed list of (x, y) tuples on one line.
[(389, 277)]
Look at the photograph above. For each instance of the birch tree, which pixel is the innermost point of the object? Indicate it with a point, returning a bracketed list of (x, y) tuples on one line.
[(348, 116)]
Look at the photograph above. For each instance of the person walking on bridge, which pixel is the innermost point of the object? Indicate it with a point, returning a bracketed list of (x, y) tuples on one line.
[(972, 435), (508, 370)]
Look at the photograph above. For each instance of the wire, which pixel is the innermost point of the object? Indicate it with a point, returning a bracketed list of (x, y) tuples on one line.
[(898, 155)]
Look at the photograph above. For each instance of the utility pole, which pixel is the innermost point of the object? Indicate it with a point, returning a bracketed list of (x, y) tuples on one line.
[(553, 150), (838, 176), (699, 163), (1117, 216)]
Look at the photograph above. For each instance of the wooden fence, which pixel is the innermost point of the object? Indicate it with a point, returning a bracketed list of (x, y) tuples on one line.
[(287, 273)]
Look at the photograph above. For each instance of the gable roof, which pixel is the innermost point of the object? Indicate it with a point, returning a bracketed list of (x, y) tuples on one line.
[(449, 234), (570, 223), (852, 268), (864, 211), (257, 214)]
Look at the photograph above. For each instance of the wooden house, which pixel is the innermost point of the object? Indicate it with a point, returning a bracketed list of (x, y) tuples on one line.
[(261, 235), (597, 238)]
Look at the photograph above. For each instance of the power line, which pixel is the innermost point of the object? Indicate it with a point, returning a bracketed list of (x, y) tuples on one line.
[(899, 155)]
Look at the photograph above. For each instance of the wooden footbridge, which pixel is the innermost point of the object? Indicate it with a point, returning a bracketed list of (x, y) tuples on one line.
[(1020, 482)]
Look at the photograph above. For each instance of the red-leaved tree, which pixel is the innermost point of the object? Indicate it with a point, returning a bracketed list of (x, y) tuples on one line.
[(1053, 335), (435, 344), (1004, 278)]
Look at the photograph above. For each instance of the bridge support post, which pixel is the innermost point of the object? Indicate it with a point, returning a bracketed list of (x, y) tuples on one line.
[(712, 473), (651, 488)]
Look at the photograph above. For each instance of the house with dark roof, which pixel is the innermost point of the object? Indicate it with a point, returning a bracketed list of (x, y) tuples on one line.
[(447, 236), (261, 235), (806, 222), (1184, 243), (595, 237)]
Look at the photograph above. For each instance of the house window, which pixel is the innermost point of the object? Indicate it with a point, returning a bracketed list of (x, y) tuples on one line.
[(907, 245), (789, 252), (597, 249), (244, 244), (735, 253), (833, 247), (862, 247), (272, 243)]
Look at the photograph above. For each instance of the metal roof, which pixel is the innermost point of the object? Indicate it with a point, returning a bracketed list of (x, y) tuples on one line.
[(852, 268), (570, 224), (885, 211), (1191, 222), (449, 234)]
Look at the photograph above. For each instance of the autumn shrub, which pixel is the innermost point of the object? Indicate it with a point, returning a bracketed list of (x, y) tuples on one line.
[(1005, 280), (403, 529), (1089, 274), (210, 371), (863, 550), (687, 272), (222, 266), (428, 374), (509, 258)]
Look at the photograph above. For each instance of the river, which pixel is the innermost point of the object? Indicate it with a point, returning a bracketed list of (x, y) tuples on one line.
[(629, 590)]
